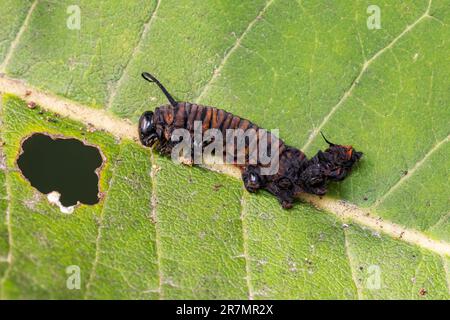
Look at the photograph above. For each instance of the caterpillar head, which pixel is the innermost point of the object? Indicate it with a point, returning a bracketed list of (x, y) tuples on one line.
[(252, 178), (147, 129)]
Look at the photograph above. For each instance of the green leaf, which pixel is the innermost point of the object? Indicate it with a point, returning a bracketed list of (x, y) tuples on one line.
[(168, 231), (13, 13), (126, 255)]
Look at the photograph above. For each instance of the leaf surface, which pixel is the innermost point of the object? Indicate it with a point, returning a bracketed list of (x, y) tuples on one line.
[(164, 231)]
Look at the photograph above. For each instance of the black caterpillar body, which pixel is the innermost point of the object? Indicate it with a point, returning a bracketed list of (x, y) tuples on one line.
[(296, 174)]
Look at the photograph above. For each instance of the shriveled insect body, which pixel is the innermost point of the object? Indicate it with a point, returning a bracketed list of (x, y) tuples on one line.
[(295, 174)]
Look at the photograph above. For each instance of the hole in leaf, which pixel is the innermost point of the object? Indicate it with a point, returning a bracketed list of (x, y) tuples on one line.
[(64, 166)]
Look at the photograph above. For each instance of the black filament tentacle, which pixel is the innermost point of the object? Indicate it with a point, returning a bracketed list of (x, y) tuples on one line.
[(150, 78)]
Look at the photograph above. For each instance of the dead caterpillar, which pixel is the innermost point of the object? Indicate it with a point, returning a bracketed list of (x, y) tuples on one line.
[(295, 173)]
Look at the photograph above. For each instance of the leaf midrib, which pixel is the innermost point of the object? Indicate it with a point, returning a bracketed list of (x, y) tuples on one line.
[(124, 129)]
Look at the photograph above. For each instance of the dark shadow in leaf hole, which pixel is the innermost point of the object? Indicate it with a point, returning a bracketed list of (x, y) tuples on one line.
[(67, 166)]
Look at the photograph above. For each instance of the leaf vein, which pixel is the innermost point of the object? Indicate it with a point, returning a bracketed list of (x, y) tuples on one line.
[(438, 223), (411, 171), (146, 29), (16, 40), (365, 66), (416, 272), (447, 275), (245, 246), (154, 218), (216, 72), (351, 265), (9, 257), (99, 235)]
